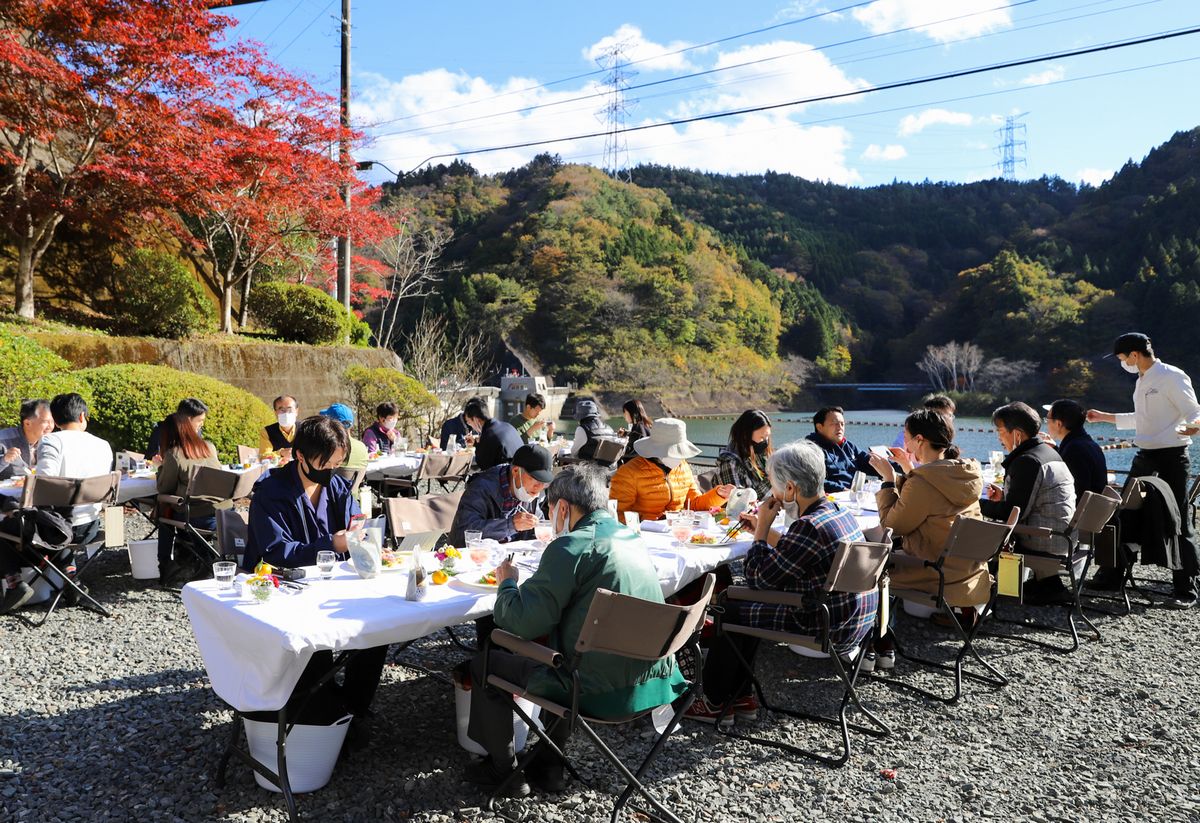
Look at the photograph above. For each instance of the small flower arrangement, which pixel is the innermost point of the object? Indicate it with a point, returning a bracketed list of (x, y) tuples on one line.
[(446, 556), (262, 583)]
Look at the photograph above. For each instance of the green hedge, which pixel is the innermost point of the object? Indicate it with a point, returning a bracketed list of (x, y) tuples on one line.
[(154, 294), (303, 314), (368, 387), (129, 399), (28, 370)]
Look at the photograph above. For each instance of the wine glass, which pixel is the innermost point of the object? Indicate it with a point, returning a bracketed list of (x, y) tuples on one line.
[(681, 529), (543, 532)]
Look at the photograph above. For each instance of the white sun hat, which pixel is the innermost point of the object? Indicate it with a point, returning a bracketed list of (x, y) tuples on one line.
[(668, 438)]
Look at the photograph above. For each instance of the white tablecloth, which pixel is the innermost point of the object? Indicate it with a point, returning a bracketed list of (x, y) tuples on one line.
[(131, 488), (393, 465), (255, 652)]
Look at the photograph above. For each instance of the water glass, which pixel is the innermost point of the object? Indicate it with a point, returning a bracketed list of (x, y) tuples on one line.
[(543, 532), (681, 529), (476, 551), (223, 573), (633, 520), (325, 561)]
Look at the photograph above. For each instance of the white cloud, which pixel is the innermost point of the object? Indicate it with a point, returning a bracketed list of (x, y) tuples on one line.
[(799, 9), (1093, 177), (1041, 78), (889, 152), (915, 123), (656, 56), (932, 17)]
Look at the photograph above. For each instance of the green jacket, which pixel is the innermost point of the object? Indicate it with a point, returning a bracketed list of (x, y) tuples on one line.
[(598, 553)]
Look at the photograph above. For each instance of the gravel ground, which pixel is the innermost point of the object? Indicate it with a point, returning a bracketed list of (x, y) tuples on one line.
[(113, 719)]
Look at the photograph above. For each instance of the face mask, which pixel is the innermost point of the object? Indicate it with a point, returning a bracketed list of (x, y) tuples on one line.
[(1129, 367), (566, 525), (761, 448), (286, 419), (791, 509), (388, 425), (521, 493), (671, 462), (321, 477)]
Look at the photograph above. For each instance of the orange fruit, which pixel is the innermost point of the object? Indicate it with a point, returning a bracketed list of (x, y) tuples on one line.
[(440, 577)]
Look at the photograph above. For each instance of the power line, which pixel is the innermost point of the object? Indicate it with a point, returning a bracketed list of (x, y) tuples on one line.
[(1011, 150), (616, 110), (447, 128), (292, 42), (295, 7), (548, 84), (689, 76), (1062, 55)]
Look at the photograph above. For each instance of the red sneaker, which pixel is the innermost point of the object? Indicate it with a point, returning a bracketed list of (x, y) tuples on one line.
[(746, 708), (706, 712)]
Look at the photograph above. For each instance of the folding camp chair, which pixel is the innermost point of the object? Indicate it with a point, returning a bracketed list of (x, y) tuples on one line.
[(42, 491), (233, 529), (608, 452), (247, 454), (431, 466), (621, 626), (857, 569), (209, 486), (1091, 516), (974, 540), (455, 473)]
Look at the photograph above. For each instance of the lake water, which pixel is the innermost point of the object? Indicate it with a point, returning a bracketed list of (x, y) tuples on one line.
[(975, 436)]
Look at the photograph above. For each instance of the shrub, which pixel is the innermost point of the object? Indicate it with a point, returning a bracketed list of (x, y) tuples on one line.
[(31, 370), (128, 399), (368, 387), (303, 314), (154, 293), (359, 331)]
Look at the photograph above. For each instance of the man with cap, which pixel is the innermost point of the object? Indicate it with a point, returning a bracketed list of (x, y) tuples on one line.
[(659, 479), (356, 458), (591, 430), (1165, 415), (506, 501)]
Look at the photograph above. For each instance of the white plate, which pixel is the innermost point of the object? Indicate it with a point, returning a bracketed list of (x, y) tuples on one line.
[(468, 580)]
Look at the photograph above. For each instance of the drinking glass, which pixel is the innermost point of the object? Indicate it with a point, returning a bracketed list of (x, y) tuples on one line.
[(325, 561), (633, 520), (543, 532), (476, 551), (681, 529), (223, 572)]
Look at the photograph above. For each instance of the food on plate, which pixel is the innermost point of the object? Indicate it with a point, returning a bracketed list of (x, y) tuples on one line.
[(705, 540), (390, 560), (488, 579)]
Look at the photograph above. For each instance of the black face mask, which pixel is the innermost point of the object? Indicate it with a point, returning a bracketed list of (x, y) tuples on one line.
[(321, 477), (761, 447)]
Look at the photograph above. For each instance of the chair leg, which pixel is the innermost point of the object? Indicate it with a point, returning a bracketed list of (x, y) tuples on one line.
[(60, 590), (689, 697), (631, 780)]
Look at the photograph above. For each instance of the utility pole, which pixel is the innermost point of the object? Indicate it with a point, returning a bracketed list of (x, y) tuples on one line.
[(343, 245), (614, 112), (1009, 146)]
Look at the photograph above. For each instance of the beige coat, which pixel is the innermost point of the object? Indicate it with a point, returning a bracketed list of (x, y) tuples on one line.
[(921, 510)]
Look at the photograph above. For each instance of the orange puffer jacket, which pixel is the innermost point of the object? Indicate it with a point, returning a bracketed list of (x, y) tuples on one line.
[(640, 486)]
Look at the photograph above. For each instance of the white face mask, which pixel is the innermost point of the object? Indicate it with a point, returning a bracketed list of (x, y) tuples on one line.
[(1129, 367), (286, 419), (566, 523), (519, 491), (671, 462), (791, 509)]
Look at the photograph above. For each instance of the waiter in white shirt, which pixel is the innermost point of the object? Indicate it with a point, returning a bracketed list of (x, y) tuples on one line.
[(1165, 415)]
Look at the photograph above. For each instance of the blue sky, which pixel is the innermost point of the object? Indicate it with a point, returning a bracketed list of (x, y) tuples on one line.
[(431, 79)]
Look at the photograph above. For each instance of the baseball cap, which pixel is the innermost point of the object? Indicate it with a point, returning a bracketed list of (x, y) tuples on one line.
[(1130, 342), (339, 412), (536, 461)]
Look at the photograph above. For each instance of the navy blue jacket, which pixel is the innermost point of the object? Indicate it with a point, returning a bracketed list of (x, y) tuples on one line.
[(481, 508), (455, 427), (1085, 459), (842, 460), (498, 442), (282, 531)]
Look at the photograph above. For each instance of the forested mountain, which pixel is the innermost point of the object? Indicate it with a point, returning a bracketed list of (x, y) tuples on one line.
[(607, 282)]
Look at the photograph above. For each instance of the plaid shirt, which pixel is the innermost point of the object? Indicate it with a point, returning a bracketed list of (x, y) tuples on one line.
[(741, 472), (800, 563)]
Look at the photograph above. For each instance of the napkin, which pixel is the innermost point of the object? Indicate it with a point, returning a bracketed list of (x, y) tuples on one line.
[(654, 526)]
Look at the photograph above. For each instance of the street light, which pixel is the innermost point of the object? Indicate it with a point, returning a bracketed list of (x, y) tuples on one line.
[(367, 165)]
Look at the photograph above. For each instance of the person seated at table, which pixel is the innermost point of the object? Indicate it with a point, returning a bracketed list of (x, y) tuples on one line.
[(459, 427), (659, 479), (590, 551), (590, 431), (1038, 481), (528, 422), (506, 501), (303, 508), (920, 508), (743, 462), (74, 452), (498, 441), (796, 561), (939, 403), (842, 458), (356, 458), (1065, 422), (381, 435), (184, 451), (18, 445), (194, 409), (275, 440), (637, 425)]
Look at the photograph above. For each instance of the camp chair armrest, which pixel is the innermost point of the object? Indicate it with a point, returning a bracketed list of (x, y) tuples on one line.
[(900, 560), (170, 499), (1035, 531), (775, 598), (1046, 555), (527, 648)]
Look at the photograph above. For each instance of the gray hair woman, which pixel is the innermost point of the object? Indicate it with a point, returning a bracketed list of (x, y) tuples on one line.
[(796, 561)]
